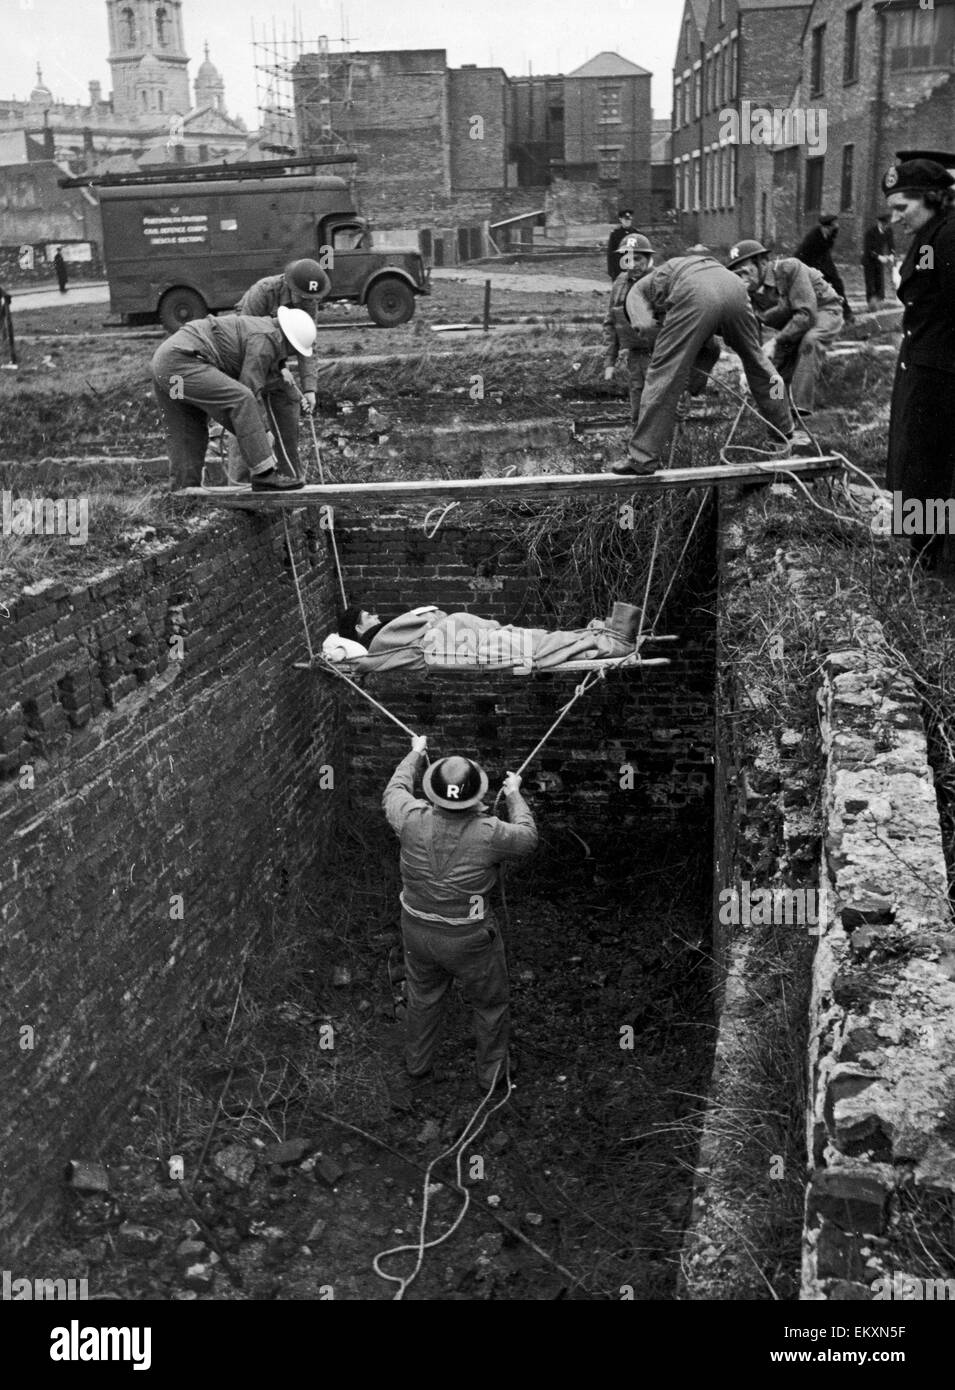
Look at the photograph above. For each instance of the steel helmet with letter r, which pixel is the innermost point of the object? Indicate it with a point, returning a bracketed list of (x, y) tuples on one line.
[(307, 279), (455, 783)]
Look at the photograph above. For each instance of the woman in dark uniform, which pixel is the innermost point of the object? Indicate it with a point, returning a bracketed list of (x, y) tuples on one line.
[(921, 462)]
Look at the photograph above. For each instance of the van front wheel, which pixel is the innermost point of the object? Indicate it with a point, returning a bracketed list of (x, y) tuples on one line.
[(390, 302), (180, 305)]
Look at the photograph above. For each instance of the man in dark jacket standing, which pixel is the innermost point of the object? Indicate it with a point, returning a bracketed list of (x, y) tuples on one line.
[(450, 852), (59, 267), (218, 368), (623, 228), (815, 250), (921, 461), (878, 251)]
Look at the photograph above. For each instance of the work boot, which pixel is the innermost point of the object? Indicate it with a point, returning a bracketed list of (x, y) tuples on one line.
[(274, 481), (637, 468), (800, 445), (624, 622)]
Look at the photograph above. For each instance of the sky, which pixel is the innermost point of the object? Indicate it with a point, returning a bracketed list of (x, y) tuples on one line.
[(69, 38)]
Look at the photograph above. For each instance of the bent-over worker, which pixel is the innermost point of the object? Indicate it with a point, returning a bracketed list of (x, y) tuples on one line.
[(799, 302), (217, 368), (302, 285)]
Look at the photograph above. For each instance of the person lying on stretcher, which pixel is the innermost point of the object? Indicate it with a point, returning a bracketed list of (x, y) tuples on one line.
[(427, 637)]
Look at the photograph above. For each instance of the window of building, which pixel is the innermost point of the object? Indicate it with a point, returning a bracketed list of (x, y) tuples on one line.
[(817, 70), (850, 61), (129, 28), (162, 28), (608, 162), (686, 38), (677, 104), (815, 176), (722, 11), (848, 163), (609, 106), (161, 100), (696, 183), (921, 38), (734, 69), (698, 93), (731, 180), (686, 102)]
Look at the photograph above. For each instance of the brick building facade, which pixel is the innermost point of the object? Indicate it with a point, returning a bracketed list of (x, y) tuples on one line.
[(734, 57), (885, 75), (432, 139)]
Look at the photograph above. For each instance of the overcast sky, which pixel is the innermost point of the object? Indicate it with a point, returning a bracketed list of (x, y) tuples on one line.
[(69, 37)]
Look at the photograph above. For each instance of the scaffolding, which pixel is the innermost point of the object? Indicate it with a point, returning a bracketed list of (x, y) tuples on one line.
[(305, 92)]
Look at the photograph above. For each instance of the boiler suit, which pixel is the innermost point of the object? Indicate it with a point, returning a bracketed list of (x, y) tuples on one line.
[(281, 403), (216, 368), (807, 312), (449, 865), (619, 334), (698, 297)]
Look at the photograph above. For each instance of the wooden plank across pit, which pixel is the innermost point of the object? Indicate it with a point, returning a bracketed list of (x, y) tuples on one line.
[(549, 487)]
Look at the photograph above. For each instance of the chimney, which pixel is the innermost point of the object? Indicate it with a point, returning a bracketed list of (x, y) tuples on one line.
[(96, 94)]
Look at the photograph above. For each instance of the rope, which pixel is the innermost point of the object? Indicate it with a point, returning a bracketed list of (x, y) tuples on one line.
[(364, 693), (298, 587), (457, 1148), (431, 534)]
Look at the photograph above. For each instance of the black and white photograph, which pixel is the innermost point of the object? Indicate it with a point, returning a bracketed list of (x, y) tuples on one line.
[(477, 671)]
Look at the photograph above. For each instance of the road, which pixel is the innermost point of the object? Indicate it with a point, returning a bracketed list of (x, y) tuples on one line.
[(82, 292), (97, 292)]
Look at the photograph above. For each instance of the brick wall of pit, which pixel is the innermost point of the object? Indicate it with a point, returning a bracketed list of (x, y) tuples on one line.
[(659, 721), (153, 777)]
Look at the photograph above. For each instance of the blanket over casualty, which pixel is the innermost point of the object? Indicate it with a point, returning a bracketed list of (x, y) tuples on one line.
[(431, 639)]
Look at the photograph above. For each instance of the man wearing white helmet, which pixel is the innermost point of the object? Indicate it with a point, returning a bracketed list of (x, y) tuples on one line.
[(218, 368), (302, 285), (635, 255), (451, 850)]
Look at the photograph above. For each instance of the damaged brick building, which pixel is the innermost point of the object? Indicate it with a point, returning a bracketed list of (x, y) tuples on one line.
[(474, 143)]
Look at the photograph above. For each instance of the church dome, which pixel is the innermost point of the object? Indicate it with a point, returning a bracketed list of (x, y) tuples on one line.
[(208, 72), (41, 94)]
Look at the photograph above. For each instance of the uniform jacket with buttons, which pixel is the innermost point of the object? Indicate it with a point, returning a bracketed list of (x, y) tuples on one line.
[(263, 299), (927, 289), (449, 859), (618, 333), (248, 349), (802, 292)]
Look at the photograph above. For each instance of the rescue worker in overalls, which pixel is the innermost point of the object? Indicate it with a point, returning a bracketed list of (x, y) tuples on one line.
[(302, 285), (800, 304), (636, 257), (218, 368), (450, 852)]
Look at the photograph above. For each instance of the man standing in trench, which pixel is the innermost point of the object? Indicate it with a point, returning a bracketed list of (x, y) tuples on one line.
[(450, 853)]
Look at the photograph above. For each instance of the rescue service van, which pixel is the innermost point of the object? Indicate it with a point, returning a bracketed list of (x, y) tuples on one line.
[(179, 245)]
